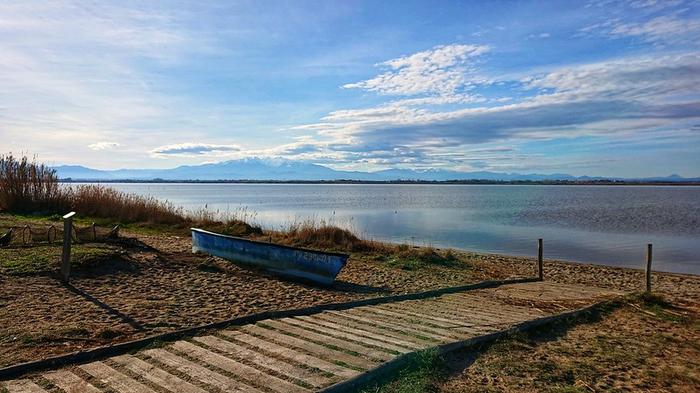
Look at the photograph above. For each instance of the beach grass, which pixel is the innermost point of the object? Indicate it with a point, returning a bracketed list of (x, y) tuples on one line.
[(44, 258)]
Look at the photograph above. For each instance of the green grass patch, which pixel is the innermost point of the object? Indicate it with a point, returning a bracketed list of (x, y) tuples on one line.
[(46, 258), (661, 308), (418, 376)]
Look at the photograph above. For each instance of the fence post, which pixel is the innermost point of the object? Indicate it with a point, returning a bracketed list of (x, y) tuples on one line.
[(540, 262), (65, 258), (648, 270)]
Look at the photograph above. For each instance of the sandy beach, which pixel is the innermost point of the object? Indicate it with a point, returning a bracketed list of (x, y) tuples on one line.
[(160, 286)]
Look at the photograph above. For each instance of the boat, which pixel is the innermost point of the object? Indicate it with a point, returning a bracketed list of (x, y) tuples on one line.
[(292, 262)]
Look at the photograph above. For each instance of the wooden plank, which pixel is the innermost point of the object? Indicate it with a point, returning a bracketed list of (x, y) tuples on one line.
[(348, 336), (308, 346), (386, 329), (411, 310), (340, 321), (460, 316), (484, 303), (404, 326), (288, 369), (114, 379), (288, 327), (156, 375), (69, 382), (469, 310), (332, 321), (480, 315), (199, 372), (491, 309), (246, 372), (410, 324), (22, 386), (291, 354), (482, 312)]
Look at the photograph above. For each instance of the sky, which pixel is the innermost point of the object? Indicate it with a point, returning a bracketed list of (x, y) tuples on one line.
[(605, 88)]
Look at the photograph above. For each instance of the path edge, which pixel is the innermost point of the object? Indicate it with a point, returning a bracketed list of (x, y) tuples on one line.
[(392, 366), (17, 370)]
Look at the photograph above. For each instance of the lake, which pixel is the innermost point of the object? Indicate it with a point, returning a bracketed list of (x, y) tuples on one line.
[(598, 224)]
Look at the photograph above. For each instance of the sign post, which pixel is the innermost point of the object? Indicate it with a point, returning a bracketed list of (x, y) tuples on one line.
[(65, 257)]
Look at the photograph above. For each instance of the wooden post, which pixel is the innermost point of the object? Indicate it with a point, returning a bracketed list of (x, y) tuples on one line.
[(65, 259), (648, 271), (94, 232), (28, 238), (540, 262)]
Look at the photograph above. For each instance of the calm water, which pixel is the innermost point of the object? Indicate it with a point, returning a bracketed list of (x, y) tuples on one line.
[(598, 224)]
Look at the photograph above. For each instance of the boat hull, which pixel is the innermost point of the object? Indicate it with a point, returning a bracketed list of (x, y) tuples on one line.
[(308, 265)]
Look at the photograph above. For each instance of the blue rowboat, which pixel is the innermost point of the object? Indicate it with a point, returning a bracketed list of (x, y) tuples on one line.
[(300, 263)]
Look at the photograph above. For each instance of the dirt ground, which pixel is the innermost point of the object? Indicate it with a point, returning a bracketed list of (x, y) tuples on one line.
[(156, 285)]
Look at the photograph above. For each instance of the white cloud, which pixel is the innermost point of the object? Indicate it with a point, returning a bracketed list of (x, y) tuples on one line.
[(188, 149), (621, 97), (439, 71), (659, 29), (103, 145), (643, 78)]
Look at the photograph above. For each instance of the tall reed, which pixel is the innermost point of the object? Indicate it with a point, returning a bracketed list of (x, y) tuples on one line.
[(99, 201), (27, 186), (30, 187)]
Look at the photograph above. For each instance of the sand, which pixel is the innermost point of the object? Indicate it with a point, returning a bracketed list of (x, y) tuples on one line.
[(157, 286)]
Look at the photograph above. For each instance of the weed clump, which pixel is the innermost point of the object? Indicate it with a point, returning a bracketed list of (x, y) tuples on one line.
[(408, 257), (324, 236)]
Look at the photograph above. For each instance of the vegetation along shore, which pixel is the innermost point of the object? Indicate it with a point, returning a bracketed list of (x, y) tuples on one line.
[(147, 281)]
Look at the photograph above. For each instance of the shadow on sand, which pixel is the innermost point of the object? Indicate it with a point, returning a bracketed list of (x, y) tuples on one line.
[(123, 317)]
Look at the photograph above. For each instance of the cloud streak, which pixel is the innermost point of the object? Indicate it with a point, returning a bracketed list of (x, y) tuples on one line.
[(624, 96), (103, 145), (441, 71), (188, 149)]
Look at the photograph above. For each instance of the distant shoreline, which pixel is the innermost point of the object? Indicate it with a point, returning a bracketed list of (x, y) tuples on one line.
[(421, 182)]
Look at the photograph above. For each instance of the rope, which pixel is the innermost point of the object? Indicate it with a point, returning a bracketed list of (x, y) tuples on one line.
[(78, 235)]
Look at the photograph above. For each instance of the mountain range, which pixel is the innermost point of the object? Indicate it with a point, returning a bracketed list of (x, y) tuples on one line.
[(287, 170)]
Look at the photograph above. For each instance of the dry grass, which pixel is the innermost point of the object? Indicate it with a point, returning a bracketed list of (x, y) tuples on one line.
[(26, 186), (321, 235), (409, 257), (324, 236), (104, 202)]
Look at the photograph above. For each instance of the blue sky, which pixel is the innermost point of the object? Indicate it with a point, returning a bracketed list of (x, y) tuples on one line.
[(606, 88)]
